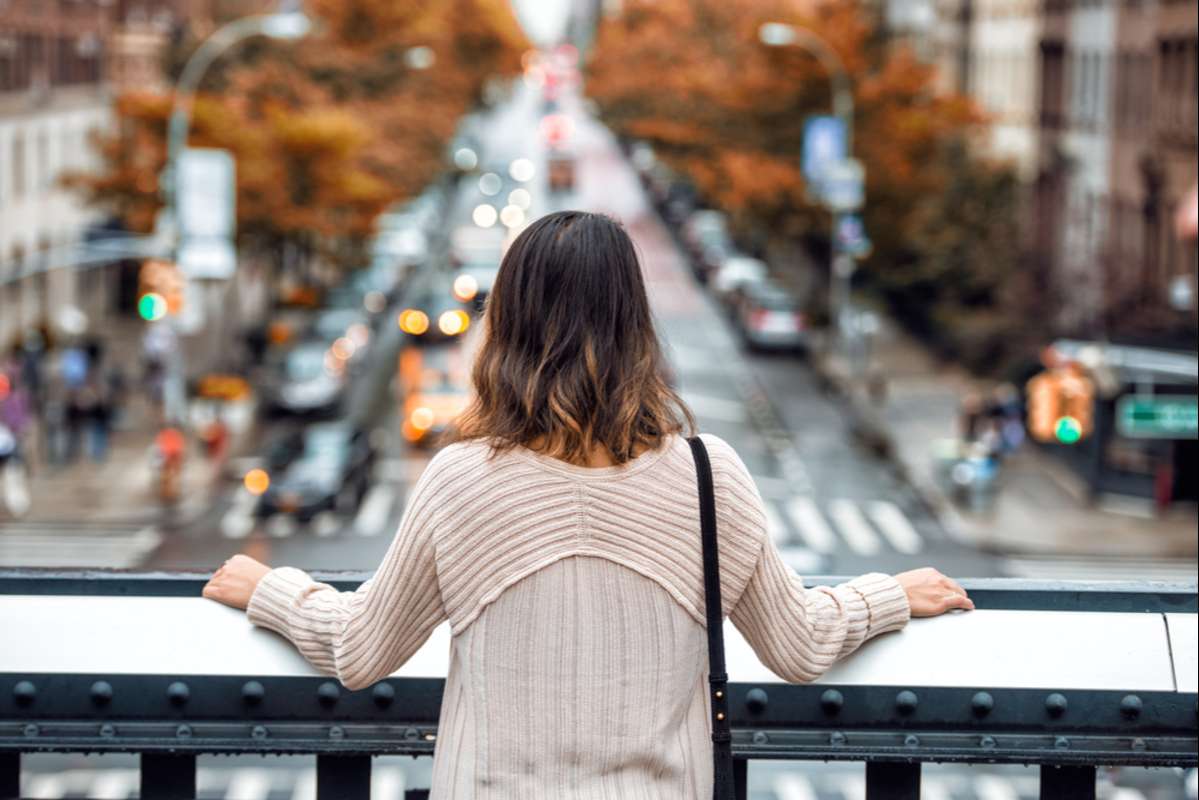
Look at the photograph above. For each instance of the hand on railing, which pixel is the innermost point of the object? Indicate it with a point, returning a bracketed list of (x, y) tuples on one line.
[(930, 593), (234, 583)]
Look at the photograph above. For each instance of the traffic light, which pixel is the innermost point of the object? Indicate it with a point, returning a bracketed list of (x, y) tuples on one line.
[(1044, 406), (160, 289), (1061, 405)]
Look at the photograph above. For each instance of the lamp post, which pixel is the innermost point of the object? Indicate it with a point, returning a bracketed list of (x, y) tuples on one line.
[(285, 25), (779, 34)]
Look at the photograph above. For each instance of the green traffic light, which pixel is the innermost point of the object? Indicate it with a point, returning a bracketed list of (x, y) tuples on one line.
[(1068, 430), (152, 306)]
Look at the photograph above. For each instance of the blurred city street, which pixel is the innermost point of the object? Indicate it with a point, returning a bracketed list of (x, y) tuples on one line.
[(291, 421)]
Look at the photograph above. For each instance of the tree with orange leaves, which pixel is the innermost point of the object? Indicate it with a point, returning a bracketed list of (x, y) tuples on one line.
[(728, 112), (327, 132)]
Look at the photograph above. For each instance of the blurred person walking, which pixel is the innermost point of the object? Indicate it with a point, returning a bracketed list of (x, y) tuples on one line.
[(560, 537)]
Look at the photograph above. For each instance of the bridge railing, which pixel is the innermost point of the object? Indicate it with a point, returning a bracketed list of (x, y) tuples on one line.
[(1069, 676)]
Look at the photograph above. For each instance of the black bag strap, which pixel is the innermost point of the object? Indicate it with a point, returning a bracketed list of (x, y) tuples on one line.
[(718, 679)]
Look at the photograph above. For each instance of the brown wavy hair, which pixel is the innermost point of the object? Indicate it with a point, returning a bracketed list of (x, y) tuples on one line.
[(570, 359)]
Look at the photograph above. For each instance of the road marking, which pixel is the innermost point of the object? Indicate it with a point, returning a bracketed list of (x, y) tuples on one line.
[(326, 524), (1113, 568), (774, 525), (933, 789), (715, 408), (387, 783), (249, 784), (46, 787), (993, 787), (280, 526), (305, 788), (809, 522), (238, 521), (853, 526), (116, 784), (894, 525), (802, 560), (32, 544), (793, 787), (375, 510)]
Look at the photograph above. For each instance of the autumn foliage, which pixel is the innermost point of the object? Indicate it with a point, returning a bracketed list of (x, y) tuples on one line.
[(329, 131), (727, 112)]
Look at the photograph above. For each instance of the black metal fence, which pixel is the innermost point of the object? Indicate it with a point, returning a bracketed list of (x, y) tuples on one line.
[(169, 719)]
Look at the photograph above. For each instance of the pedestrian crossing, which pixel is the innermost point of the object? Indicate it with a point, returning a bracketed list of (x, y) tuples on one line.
[(76, 544), (1100, 568), (862, 527), (389, 782)]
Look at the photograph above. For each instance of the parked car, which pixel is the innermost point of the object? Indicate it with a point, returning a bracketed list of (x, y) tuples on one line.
[(707, 239), (435, 386), (305, 380), (735, 272), (435, 314), (561, 171), (331, 473), (769, 317)]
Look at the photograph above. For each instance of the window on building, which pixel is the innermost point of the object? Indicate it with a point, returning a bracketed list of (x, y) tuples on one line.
[(1053, 68), (18, 166)]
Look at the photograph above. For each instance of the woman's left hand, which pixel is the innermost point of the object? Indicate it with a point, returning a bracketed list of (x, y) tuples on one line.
[(235, 581)]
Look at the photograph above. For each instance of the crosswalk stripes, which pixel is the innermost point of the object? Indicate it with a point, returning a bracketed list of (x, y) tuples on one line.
[(857, 532), (1098, 568), (375, 510), (991, 787), (774, 525), (810, 524), (249, 784), (115, 784), (387, 783), (894, 526), (794, 787), (76, 544)]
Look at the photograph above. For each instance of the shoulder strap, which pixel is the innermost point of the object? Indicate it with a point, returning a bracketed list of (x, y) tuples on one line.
[(718, 679)]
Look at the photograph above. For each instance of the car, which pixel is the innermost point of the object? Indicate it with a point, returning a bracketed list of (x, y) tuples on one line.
[(706, 237), (308, 379), (735, 272), (434, 385), (331, 472), (435, 314), (769, 317), (561, 165), (347, 333)]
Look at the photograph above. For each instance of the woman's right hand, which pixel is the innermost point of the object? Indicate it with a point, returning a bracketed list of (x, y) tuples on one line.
[(930, 593)]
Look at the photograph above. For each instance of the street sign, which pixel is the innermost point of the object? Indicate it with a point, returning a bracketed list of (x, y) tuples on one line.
[(823, 144), (843, 185), (1160, 417), (206, 203)]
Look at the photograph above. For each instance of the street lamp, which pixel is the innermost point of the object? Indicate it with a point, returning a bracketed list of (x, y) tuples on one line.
[(288, 25), (779, 34)]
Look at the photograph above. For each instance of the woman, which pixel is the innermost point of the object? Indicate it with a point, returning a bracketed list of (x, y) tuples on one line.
[(559, 536)]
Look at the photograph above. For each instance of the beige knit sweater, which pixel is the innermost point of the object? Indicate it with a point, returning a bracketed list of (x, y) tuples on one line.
[(578, 665)]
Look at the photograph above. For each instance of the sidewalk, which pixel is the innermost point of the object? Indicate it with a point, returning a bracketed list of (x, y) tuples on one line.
[(1041, 506), (123, 487)]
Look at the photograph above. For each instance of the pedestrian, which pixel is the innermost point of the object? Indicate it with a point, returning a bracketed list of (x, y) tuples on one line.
[(560, 536)]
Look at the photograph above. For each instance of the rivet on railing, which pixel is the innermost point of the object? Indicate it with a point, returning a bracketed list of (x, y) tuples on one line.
[(1055, 704), (252, 693), (836, 738), (1130, 706), (259, 732), (101, 693), (1138, 744), (1061, 743), (183, 732), (987, 742), (178, 693), (384, 694), (911, 740), (411, 734), (981, 704), (906, 702), (761, 737), (24, 693), (31, 730), (831, 701), (328, 693), (108, 730), (756, 700), (337, 732)]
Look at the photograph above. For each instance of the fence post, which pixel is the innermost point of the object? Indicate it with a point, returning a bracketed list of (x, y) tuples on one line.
[(741, 778), (1067, 783), (168, 776), (10, 774), (343, 777), (889, 780)]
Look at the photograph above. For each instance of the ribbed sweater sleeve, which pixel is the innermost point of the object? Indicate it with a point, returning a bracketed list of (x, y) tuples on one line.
[(797, 632), (363, 636)]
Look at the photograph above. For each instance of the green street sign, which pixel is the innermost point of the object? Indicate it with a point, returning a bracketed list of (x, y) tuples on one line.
[(1168, 417)]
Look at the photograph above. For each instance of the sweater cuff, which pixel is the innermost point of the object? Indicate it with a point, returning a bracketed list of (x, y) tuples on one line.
[(886, 602), (275, 596)]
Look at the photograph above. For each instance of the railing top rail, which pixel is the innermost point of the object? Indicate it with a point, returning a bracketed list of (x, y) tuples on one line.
[(990, 593)]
